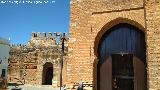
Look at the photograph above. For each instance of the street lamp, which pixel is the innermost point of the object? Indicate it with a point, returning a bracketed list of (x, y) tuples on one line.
[(62, 39)]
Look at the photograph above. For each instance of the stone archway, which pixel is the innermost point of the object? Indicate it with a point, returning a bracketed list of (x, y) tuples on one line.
[(111, 24), (47, 75), (122, 42)]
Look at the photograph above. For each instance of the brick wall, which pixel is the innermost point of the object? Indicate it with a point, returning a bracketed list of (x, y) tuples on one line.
[(89, 20), (153, 45)]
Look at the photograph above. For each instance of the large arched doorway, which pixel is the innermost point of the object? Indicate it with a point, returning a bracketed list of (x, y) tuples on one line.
[(122, 59), (47, 74)]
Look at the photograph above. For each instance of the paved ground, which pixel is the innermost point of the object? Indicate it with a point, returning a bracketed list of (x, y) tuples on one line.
[(31, 87)]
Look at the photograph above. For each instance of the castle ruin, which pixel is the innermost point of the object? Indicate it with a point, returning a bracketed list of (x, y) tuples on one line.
[(38, 62)]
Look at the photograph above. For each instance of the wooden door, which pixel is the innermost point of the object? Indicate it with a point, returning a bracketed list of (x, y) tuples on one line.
[(139, 74), (106, 75)]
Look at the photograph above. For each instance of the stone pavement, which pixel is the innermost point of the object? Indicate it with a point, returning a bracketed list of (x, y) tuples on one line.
[(35, 87)]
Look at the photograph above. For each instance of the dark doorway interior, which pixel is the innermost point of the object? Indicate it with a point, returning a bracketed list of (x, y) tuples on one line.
[(47, 74), (122, 72), (3, 73)]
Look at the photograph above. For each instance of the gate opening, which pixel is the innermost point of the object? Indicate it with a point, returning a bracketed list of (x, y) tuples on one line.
[(122, 72), (127, 71), (47, 74)]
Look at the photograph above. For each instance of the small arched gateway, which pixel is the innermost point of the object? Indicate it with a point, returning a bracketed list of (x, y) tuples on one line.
[(47, 75), (122, 59)]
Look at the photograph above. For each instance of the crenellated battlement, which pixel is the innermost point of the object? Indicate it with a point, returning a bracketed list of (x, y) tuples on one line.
[(44, 35), (46, 39)]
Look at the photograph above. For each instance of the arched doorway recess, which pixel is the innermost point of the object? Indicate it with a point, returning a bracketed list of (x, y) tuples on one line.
[(47, 75), (122, 59)]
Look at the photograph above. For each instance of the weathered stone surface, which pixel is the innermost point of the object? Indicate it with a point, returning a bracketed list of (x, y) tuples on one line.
[(29, 60)]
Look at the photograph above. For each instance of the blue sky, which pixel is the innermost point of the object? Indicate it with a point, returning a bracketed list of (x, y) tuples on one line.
[(19, 21)]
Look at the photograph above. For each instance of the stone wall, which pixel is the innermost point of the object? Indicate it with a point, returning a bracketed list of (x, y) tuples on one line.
[(26, 61)]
